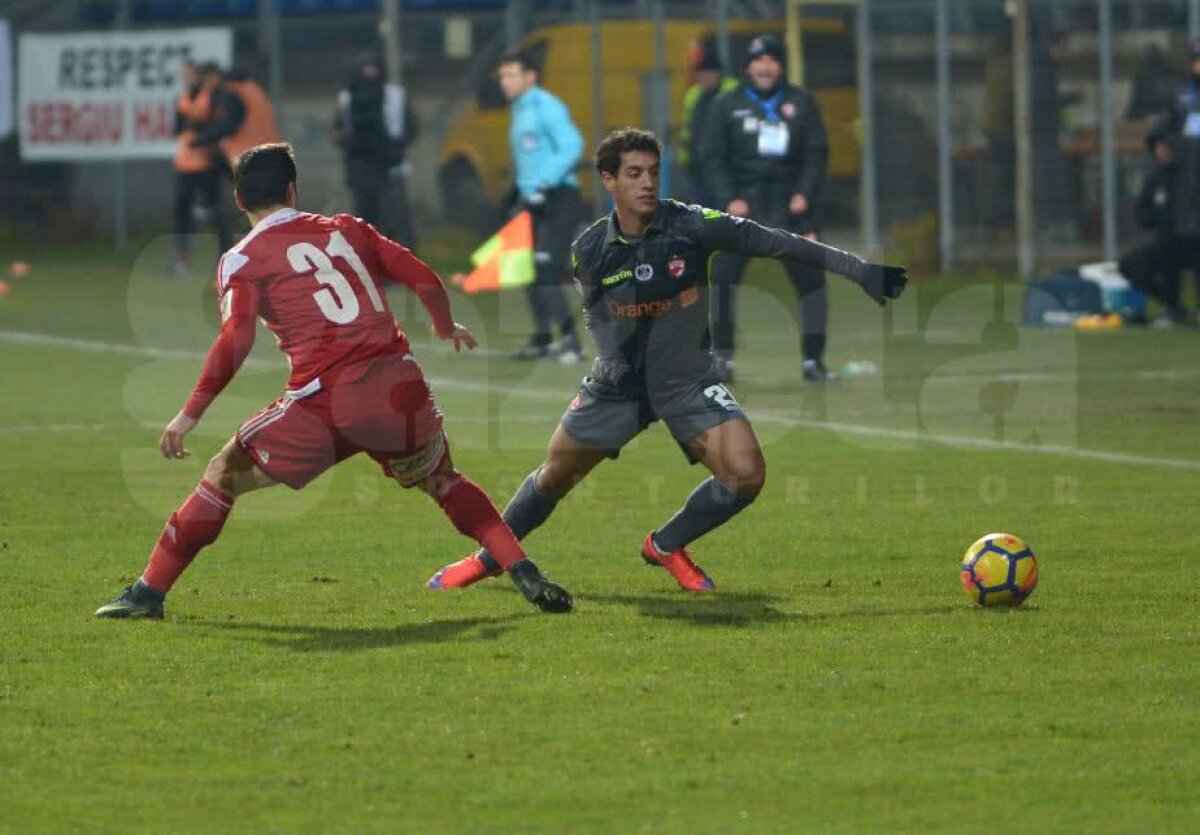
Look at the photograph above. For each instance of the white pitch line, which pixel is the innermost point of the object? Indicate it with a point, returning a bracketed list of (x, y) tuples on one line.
[(562, 395), (953, 441), (1023, 377), (55, 427), (961, 442), (92, 346), (96, 347)]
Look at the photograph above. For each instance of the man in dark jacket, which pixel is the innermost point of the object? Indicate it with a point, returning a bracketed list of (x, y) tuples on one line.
[(1156, 267), (766, 153), (710, 82), (375, 124), (196, 173), (1182, 132), (242, 117)]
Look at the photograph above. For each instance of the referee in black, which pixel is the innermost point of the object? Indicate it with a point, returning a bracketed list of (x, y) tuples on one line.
[(766, 155)]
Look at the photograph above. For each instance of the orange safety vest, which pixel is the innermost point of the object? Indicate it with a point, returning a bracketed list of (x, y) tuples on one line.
[(194, 109), (257, 127)]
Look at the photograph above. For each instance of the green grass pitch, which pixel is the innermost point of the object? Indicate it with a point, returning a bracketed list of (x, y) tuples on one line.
[(838, 681)]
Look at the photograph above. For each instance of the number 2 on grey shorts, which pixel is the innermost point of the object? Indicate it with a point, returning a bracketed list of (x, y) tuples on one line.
[(604, 417)]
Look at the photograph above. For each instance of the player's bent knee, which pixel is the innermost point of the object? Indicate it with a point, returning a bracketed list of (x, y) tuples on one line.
[(234, 472), (220, 471), (750, 489), (746, 477)]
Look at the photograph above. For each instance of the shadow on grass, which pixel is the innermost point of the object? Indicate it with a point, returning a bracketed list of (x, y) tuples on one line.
[(303, 638), (745, 609)]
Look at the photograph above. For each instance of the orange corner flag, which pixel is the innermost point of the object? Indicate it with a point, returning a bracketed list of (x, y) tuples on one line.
[(505, 260)]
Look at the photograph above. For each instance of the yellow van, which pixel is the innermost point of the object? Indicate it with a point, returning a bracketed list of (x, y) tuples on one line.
[(476, 164)]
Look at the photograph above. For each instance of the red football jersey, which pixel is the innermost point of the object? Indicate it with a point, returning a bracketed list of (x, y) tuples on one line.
[(317, 283)]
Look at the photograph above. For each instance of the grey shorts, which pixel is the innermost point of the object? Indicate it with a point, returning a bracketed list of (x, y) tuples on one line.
[(605, 417)]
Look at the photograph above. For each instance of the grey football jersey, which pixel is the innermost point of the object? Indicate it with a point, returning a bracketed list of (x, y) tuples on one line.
[(646, 302)]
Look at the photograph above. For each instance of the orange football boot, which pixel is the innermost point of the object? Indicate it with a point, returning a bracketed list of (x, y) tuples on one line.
[(689, 575), (459, 575)]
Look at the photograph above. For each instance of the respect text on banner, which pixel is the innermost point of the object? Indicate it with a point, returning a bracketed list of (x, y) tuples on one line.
[(97, 96)]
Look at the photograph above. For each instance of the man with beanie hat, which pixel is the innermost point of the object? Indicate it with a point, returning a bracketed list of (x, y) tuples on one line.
[(710, 81), (766, 153)]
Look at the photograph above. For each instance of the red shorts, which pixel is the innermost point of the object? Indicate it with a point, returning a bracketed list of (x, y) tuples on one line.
[(388, 413)]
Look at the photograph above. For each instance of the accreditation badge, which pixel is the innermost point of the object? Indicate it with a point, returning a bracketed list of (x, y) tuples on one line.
[(1191, 127), (773, 139)]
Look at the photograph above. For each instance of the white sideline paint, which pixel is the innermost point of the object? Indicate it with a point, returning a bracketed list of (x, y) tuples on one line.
[(564, 396), (94, 347), (56, 427), (960, 442)]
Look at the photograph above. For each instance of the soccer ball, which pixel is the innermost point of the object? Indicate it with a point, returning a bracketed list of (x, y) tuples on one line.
[(999, 570)]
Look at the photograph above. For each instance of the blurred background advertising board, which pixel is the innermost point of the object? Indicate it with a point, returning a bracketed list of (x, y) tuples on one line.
[(107, 95)]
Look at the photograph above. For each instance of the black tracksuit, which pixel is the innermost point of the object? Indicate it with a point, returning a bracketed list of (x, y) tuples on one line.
[(205, 185), (375, 124), (1156, 267), (1169, 204), (747, 157)]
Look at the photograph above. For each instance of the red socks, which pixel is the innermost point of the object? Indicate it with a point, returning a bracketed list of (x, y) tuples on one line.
[(473, 513), (199, 520), (196, 523)]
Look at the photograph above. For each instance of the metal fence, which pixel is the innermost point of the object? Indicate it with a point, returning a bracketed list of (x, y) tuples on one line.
[(967, 133)]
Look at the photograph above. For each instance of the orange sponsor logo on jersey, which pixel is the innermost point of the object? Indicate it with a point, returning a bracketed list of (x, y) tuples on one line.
[(654, 309)]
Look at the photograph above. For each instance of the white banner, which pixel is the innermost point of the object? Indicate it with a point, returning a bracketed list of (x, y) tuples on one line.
[(6, 80), (95, 96)]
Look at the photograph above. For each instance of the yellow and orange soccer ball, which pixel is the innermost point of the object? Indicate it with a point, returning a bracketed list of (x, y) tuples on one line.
[(999, 570)]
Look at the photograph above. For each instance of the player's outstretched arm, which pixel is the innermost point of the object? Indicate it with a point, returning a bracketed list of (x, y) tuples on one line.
[(225, 357), (402, 267), (735, 234)]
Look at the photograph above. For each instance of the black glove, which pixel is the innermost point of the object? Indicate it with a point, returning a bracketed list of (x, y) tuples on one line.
[(882, 282)]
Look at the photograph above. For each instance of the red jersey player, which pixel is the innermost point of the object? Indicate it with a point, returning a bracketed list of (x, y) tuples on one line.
[(317, 283)]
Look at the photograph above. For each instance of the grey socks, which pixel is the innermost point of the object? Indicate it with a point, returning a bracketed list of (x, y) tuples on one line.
[(526, 512), (711, 505)]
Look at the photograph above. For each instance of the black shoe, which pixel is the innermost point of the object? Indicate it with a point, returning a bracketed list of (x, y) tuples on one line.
[(816, 372), (547, 596), (532, 351), (136, 601)]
